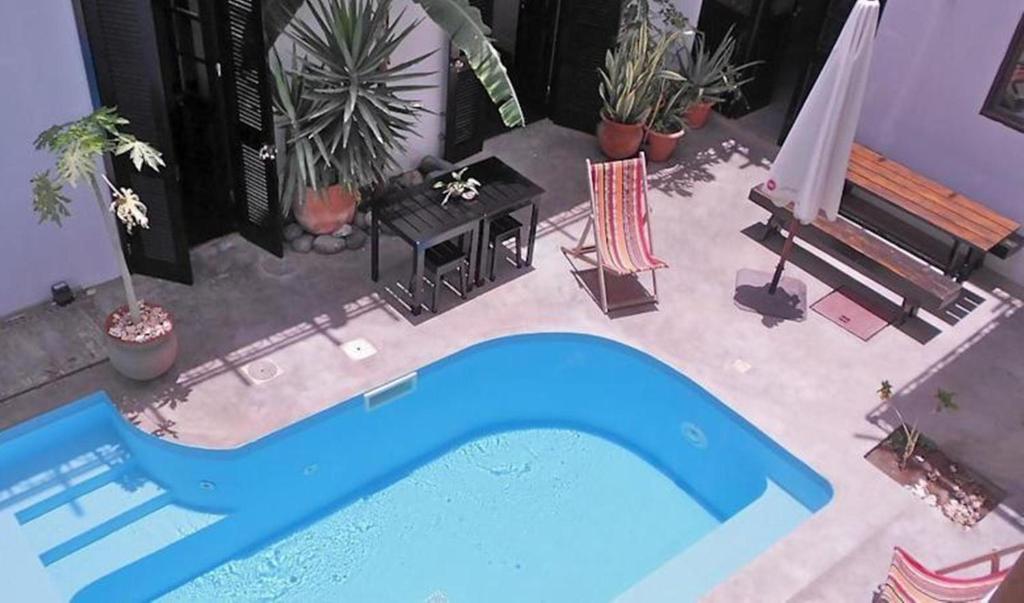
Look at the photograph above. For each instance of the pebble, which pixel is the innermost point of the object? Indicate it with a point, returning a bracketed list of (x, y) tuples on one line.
[(328, 244), (292, 231), (344, 231), (356, 240), (303, 244)]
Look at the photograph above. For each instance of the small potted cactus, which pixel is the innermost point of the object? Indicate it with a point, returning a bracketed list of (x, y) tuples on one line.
[(140, 337)]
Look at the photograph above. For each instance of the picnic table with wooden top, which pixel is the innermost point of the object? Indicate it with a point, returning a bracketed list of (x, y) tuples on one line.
[(975, 229), (416, 215)]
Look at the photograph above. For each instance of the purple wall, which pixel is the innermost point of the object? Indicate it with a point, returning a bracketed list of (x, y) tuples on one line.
[(934, 62), (44, 83)]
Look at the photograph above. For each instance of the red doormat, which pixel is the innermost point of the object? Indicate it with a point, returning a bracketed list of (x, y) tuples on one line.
[(852, 314)]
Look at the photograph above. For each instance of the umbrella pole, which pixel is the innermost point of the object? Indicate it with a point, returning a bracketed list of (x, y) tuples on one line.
[(787, 249)]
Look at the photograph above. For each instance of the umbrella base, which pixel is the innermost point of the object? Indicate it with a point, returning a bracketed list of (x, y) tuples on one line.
[(789, 302)]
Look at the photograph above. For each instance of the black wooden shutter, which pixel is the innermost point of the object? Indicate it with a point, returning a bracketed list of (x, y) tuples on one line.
[(466, 102), (128, 64), (586, 31), (251, 124)]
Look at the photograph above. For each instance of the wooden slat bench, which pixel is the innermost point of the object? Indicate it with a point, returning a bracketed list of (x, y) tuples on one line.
[(975, 230), (917, 283)]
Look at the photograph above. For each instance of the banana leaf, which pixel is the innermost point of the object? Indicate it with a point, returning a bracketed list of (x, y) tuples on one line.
[(463, 23)]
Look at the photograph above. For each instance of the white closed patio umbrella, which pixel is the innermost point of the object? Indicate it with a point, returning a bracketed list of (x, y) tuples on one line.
[(810, 169)]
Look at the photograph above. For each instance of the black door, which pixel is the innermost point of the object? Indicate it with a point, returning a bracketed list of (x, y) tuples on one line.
[(198, 119), (130, 69), (586, 31), (467, 120), (534, 55), (250, 123)]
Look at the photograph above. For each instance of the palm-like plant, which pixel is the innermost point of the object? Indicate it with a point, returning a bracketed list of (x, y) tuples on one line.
[(358, 118), (464, 24), (712, 74), (78, 146), (632, 72)]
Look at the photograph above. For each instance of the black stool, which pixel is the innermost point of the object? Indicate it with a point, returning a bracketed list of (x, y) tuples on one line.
[(440, 260), (502, 229)]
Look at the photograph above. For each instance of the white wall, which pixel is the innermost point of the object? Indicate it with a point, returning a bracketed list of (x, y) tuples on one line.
[(933, 65), (43, 83)]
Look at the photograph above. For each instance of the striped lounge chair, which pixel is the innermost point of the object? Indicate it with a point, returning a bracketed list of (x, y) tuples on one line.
[(910, 582), (621, 228)]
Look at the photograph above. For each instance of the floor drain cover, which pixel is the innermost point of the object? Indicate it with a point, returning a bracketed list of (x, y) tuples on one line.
[(261, 371), (359, 349)]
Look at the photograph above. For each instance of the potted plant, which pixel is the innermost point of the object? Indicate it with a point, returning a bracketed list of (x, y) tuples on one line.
[(308, 188), (140, 337), (712, 75), (340, 104), (666, 127), (629, 87)]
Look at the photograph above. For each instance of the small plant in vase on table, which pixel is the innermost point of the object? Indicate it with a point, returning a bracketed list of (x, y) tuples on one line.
[(464, 188), (141, 342)]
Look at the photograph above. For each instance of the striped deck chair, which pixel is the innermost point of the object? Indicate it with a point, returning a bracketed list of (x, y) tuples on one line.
[(910, 582), (621, 228)]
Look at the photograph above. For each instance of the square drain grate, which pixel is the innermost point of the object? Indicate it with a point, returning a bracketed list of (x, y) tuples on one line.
[(261, 371), (358, 349)]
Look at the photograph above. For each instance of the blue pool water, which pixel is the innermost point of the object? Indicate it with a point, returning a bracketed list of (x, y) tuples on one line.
[(531, 468)]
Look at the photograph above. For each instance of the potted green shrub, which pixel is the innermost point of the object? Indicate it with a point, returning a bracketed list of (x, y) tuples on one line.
[(666, 127), (629, 88), (712, 75), (341, 104), (140, 337)]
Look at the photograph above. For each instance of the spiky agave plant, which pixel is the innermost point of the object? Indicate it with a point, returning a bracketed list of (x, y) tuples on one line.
[(632, 74), (78, 146), (359, 115), (711, 73)]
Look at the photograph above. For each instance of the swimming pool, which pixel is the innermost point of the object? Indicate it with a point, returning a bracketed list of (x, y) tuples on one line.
[(547, 467)]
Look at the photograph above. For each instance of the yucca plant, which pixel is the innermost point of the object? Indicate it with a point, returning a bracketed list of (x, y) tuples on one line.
[(712, 74), (358, 117), (463, 23), (633, 70), (78, 147), (303, 166)]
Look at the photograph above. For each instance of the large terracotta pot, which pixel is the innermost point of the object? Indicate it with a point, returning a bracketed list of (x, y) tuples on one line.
[(144, 360), (619, 141), (661, 146), (326, 210), (698, 115)]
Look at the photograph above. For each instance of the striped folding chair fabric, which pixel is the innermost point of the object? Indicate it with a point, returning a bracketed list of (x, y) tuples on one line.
[(910, 582), (621, 226)]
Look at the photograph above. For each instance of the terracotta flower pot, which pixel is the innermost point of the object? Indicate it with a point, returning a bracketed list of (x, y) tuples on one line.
[(326, 210), (698, 115), (661, 146), (618, 141), (141, 360)]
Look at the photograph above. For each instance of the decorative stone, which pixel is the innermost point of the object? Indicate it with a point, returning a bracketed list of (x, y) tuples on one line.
[(303, 244), (293, 231), (344, 231), (363, 219), (356, 240), (328, 245)]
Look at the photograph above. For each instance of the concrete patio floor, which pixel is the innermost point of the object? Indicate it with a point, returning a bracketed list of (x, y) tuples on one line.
[(810, 385)]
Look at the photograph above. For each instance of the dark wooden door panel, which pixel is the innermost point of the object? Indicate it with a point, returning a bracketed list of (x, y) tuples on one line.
[(129, 65), (466, 101), (586, 31), (251, 124)]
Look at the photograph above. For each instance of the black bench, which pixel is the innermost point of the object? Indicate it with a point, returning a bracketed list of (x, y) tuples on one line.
[(917, 283)]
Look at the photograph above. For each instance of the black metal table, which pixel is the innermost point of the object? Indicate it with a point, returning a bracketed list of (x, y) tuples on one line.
[(415, 214)]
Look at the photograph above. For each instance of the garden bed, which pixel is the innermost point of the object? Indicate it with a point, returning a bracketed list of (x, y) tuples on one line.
[(962, 494)]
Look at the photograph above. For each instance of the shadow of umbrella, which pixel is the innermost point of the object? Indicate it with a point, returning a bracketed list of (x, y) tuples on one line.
[(789, 302)]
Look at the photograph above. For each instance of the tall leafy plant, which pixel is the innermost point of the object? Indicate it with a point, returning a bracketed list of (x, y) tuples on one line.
[(464, 25), (711, 73), (77, 147), (632, 74), (358, 116)]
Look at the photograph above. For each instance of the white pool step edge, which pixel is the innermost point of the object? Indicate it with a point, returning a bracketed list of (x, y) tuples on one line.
[(709, 561)]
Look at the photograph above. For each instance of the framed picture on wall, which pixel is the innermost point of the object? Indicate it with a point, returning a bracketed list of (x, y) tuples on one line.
[(1005, 101)]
